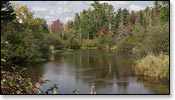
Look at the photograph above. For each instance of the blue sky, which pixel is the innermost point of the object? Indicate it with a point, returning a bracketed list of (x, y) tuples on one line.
[(65, 10)]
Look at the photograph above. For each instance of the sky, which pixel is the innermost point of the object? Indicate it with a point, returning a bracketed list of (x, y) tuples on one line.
[(65, 10)]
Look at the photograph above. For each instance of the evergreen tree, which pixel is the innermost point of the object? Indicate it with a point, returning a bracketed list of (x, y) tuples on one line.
[(7, 12)]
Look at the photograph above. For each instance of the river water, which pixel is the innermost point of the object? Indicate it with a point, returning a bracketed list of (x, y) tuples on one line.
[(95, 71)]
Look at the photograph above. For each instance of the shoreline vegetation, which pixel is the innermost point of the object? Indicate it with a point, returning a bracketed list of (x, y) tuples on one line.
[(144, 33), (153, 66)]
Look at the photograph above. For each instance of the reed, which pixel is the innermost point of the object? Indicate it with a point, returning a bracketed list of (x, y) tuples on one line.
[(155, 66)]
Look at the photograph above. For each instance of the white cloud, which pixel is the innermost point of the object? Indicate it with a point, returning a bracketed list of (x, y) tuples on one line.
[(51, 11), (88, 2), (39, 9), (118, 4), (62, 10), (59, 11), (122, 2), (135, 8), (68, 18), (47, 17), (62, 2)]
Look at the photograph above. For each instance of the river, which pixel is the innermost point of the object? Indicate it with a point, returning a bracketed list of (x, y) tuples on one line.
[(99, 71)]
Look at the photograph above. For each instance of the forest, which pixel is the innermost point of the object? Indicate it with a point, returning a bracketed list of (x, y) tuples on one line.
[(26, 39)]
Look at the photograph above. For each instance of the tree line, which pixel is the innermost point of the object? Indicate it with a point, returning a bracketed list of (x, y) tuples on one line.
[(101, 25), (25, 37)]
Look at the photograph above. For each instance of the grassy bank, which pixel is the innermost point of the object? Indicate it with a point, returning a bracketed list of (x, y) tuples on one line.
[(56, 51), (38, 59), (154, 66)]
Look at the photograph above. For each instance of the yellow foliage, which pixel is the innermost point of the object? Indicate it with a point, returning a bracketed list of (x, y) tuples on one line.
[(156, 66)]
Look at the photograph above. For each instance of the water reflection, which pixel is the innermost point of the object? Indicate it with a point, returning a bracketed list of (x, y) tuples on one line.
[(51, 58), (35, 71), (102, 72), (156, 85)]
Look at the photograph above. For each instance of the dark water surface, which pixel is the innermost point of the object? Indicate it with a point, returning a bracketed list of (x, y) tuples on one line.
[(105, 72)]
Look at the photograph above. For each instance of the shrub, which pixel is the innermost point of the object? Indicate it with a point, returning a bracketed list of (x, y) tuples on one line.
[(157, 39), (155, 66), (14, 83), (71, 42), (133, 40), (89, 43), (125, 44), (114, 48)]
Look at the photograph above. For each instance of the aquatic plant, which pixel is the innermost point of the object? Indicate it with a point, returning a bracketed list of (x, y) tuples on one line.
[(155, 66)]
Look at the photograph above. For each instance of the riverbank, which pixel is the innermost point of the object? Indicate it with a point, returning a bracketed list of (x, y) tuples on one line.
[(45, 57), (154, 66)]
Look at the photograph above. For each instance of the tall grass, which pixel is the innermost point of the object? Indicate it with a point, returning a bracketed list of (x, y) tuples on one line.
[(155, 66)]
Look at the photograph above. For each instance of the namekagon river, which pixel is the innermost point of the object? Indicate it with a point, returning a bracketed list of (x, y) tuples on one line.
[(89, 71)]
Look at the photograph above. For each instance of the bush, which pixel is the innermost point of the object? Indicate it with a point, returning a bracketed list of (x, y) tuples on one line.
[(126, 44), (133, 40), (155, 66), (13, 82), (157, 39), (71, 42), (114, 48), (144, 41), (17, 44), (89, 43)]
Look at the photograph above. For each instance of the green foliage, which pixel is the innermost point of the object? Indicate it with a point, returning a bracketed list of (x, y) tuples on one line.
[(19, 44), (75, 92), (142, 20), (155, 66), (14, 83), (88, 22), (101, 39), (157, 39), (164, 14), (100, 42), (138, 32), (89, 44), (34, 60), (7, 11), (71, 43), (110, 39), (57, 51), (52, 89), (125, 14), (24, 41), (164, 11), (126, 44), (47, 41)]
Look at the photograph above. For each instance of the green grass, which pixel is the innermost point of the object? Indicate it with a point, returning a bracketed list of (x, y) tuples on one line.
[(38, 59), (155, 66), (56, 51), (69, 49)]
